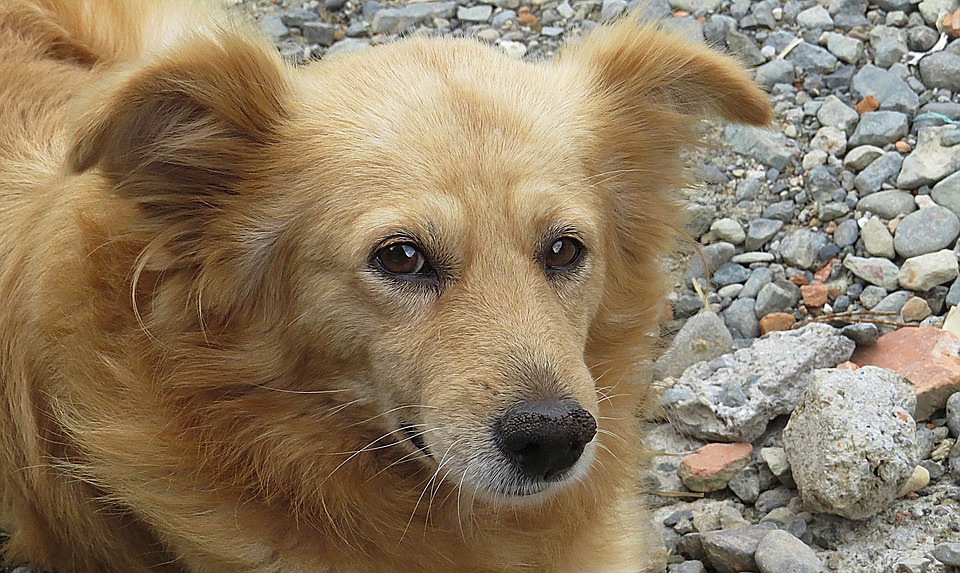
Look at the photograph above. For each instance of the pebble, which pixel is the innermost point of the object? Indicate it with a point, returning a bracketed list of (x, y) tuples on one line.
[(780, 552), (892, 92), (711, 467), (953, 414), (848, 49), (875, 270), (877, 239), (946, 193), (741, 318), (915, 310), (941, 70), (923, 272), (728, 230), (702, 338), (864, 334), (884, 169), (860, 157), (800, 248), (760, 231), (730, 273), (880, 128), (687, 567), (926, 231), (776, 322), (917, 481), (777, 296), (930, 160), (733, 550), (888, 204)]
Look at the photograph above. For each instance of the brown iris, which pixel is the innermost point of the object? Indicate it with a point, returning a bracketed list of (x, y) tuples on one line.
[(403, 259), (562, 254)]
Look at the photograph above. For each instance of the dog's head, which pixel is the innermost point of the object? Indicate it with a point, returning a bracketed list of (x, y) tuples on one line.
[(461, 244)]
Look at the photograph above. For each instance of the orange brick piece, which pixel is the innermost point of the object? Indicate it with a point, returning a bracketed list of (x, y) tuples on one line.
[(711, 467), (776, 321), (928, 357)]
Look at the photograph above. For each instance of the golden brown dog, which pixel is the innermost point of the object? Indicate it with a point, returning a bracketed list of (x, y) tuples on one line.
[(380, 314)]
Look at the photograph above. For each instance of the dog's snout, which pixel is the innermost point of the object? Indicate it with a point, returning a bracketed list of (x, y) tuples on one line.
[(544, 438)]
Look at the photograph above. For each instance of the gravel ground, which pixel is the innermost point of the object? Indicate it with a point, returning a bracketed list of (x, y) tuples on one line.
[(846, 211)]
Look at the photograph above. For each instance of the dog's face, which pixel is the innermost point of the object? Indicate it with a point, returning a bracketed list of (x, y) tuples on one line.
[(463, 238)]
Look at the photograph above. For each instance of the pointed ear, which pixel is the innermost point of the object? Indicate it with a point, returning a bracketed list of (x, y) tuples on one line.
[(640, 65), (178, 135)]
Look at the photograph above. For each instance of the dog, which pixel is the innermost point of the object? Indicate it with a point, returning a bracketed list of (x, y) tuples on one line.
[(386, 313)]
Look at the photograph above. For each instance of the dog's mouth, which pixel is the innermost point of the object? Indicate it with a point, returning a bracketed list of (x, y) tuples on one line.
[(415, 438)]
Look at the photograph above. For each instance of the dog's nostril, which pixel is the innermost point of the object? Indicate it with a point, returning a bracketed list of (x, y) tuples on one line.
[(544, 438)]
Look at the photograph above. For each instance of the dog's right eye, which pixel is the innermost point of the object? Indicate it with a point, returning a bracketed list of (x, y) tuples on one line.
[(403, 259)]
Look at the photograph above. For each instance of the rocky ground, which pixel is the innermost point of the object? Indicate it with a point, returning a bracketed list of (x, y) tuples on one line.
[(806, 421)]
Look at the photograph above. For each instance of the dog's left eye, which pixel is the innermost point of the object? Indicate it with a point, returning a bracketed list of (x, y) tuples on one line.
[(562, 254), (403, 259)]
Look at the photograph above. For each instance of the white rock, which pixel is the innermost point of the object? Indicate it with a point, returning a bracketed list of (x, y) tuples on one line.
[(852, 441), (729, 230), (924, 272)]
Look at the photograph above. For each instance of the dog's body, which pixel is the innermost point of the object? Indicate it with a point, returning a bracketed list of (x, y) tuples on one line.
[(209, 360)]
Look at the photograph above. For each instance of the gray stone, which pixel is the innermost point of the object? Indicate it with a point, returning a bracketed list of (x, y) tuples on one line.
[(295, 17), (846, 233), (695, 6), (778, 296), (800, 248), (781, 210), (478, 13), (687, 567), (702, 338), (775, 498), (346, 47), (892, 92), (889, 45), (708, 259), (815, 17), (948, 553), (744, 48), (320, 33), (922, 38), (941, 70), (780, 552), (729, 230), (953, 414), (848, 49), (812, 58), (729, 274), (946, 193), (930, 160), (745, 484), (888, 204), (864, 334), (880, 128), (884, 169), (272, 26), (776, 460), (688, 27), (835, 113), (852, 441), (761, 230), (893, 302), (872, 295), (399, 20), (699, 216), (859, 158), (775, 72), (831, 140), (931, 10), (759, 278), (877, 239), (741, 319), (926, 231), (732, 550), (735, 402), (874, 270), (953, 295), (924, 272)]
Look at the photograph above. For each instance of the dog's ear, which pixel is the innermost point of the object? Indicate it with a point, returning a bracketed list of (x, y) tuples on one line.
[(640, 66), (179, 135)]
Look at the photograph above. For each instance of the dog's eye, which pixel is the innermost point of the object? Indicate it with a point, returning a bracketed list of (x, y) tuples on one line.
[(562, 254), (403, 259)]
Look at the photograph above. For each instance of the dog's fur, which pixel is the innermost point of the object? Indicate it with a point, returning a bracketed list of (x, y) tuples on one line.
[(201, 371)]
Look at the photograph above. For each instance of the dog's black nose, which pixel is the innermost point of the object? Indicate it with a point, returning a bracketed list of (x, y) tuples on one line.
[(544, 438)]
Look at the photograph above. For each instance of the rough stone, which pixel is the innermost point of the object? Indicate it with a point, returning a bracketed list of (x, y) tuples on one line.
[(930, 160), (885, 168), (702, 337), (859, 158), (926, 231), (946, 193), (780, 552), (891, 92), (874, 270), (734, 402), (888, 204), (880, 128), (733, 550), (777, 296), (877, 239), (711, 467), (760, 231), (765, 146), (852, 441), (741, 319), (922, 273)]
